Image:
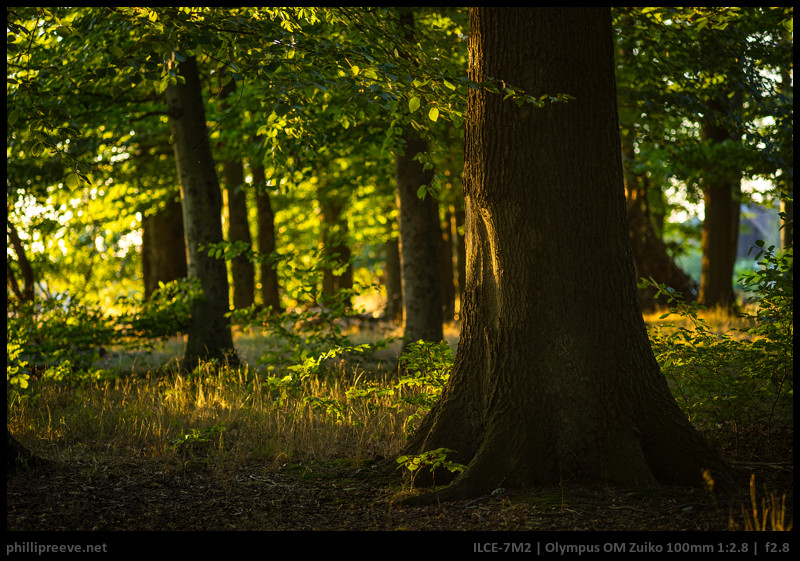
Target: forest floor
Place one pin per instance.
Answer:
(344, 495)
(96, 492)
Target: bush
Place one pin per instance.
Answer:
(720, 379)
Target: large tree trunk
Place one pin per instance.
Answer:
(554, 379)
(163, 247)
(17, 456)
(209, 334)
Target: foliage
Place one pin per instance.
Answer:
(431, 460)
(62, 338)
(719, 378)
(166, 313)
(46, 333)
(425, 367)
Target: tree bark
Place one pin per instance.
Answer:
(163, 247)
(243, 271)
(446, 269)
(419, 247)
(721, 199)
(650, 256)
(554, 379)
(209, 335)
(270, 293)
(335, 248)
(26, 293)
(393, 281)
(418, 221)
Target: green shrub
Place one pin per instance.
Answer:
(718, 378)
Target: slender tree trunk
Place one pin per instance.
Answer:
(163, 247)
(461, 258)
(419, 247)
(419, 235)
(270, 293)
(721, 198)
(786, 184)
(26, 293)
(650, 256)
(393, 310)
(243, 271)
(209, 334)
(336, 251)
(446, 269)
(554, 379)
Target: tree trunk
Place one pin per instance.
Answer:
(446, 269)
(270, 294)
(418, 221)
(721, 194)
(554, 379)
(393, 280)
(461, 258)
(163, 247)
(335, 248)
(209, 334)
(650, 256)
(419, 247)
(785, 183)
(243, 271)
(17, 456)
(26, 293)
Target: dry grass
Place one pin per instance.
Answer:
(215, 414)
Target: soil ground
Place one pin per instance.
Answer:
(344, 496)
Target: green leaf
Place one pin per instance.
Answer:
(37, 149)
(354, 69)
(413, 104)
(422, 191)
(116, 51)
(433, 114)
(73, 180)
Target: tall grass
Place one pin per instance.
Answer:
(214, 414)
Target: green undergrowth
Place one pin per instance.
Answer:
(314, 388)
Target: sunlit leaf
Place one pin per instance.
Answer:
(413, 104)
(73, 180)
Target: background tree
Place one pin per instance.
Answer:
(420, 234)
(209, 334)
(554, 379)
(688, 76)
(242, 269)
